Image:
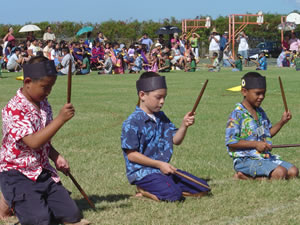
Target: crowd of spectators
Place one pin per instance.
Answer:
(160, 55)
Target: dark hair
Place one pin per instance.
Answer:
(215, 54)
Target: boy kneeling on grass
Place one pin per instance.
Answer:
(30, 185)
(249, 132)
(147, 141)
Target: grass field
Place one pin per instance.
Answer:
(91, 144)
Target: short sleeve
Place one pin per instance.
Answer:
(232, 133)
(129, 136)
(17, 123)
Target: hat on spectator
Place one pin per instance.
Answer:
(214, 30)
(226, 32)
(158, 45)
(122, 46)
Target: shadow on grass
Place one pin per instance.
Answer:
(83, 204)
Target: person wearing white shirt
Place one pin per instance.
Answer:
(214, 45)
(243, 46)
(15, 61)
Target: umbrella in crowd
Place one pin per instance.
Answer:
(29, 28)
(287, 26)
(85, 30)
(168, 30)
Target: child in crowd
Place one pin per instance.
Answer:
(107, 66)
(191, 64)
(137, 66)
(154, 63)
(249, 132)
(215, 66)
(28, 182)
(85, 67)
(238, 64)
(120, 64)
(147, 141)
(262, 62)
(166, 63)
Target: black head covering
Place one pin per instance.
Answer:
(39, 70)
(253, 80)
(151, 83)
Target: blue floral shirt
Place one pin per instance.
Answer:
(242, 126)
(152, 138)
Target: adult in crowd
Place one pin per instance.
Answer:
(15, 61)
(49, 35)
(285, 45)
(9, 37)
(33, 48)
(294, 43)
(243, 46)
(64, 65)
(101, 38)
(194, 44)
(214, 44)
(223, 44)
(146, 41)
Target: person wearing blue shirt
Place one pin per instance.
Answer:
(147, 141)
(223, 44)
(262, 62)
(146, 41)
(249, 132)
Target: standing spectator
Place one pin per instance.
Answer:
(101, 38)
(223, 44)
(194, 44)
(48, 35)
(161, 40)
(214, 44)
(285, 43)
(9, 37)
(146, 41)
(30, 36)
(243, 46)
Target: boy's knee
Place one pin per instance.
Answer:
(172, 195)
(279, 173)
(293, 172)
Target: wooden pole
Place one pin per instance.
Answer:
(199, 98)
(286, 146)
(282, 94)
(69, 81)
(81, 190)
(69, 173)
(191, 179)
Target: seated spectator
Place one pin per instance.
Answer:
(157, 49)
(78, 53)
(261, 62)
(15, 62)
(85, 67)
(227, 57)
(154, 63)
(97, 54)
(191, 64)
(238, 64)
(48, 48)
(178, 59)
(137, 66)
(120, 64)
(64, 65)
(33, 48)
(165, 63)
(107, 66)
(215, 66)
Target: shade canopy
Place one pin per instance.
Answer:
(29, 28)
(85, 30)
(168, 30)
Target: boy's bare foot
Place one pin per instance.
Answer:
(241, 176)
(147, 194)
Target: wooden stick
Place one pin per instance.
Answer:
(286, 146)
(69, 81)
(191, 179)
(81, 190)
(199, 98)
(282, 94)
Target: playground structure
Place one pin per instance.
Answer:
(238, 22)
(191, 25)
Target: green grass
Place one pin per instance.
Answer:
(91, 144)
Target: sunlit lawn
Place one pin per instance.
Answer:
(91, 144)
